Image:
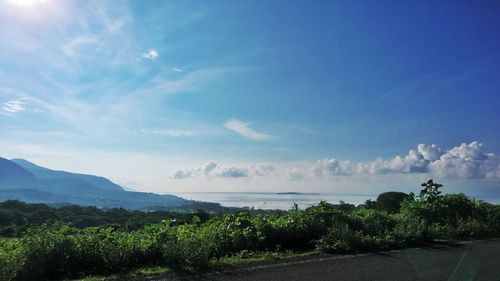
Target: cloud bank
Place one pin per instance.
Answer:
(466, 161)
(462, 162)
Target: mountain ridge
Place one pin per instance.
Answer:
(26, 181)
(11, 171)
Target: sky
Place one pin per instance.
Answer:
(351, 97)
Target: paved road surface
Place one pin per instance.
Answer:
(479, 260)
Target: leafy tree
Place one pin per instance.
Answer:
(370, 204)
(390, 201)
(430, 191)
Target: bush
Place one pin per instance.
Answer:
(410, 230)
(390, 201)
(473, 228)
(187, 249)
(372, 222)
(339, 239)
(298, 229)
(488, 214)
(10, 258)
(46, 255)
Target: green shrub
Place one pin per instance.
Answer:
(410, 229)
(46, 255)
(376, 243)
(188, 249)
(473, 228)
(390, 201)
(10, 258)
(489, 215)
(298, 229)
(372, 222)
(339, 239)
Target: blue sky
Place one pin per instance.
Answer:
(255, 95)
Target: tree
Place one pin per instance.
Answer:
(370, 204)
(390, 201)
(430, 191)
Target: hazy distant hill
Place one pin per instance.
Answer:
(48, 174)
(23, 180)
(13, 174)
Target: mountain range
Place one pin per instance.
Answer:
(25, 181)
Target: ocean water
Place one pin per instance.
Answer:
(273, 200)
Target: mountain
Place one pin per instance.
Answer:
(48, 174)
(12, 173)
(26, 181)
(69, 183)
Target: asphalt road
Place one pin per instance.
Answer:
(478, 260)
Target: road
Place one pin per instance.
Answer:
(477, 260)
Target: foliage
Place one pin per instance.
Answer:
(430, 191)
(340, 238)
(16, 217)
(65, 250)
(390, 201)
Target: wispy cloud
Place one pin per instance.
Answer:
(191, 81)
(73, 46)
(95, 41)
(244, 130)
(151, 54)
(171, 133)
(14, 106)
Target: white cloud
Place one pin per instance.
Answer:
(171, 133)
(244, 130)
(467, 161)
(182, 174)
(332, 166)
(177, 69)
(231, 172)
(209, 167)
(151, 54)
(212, 169)
(14, 106)
(295, 174)
(262, 170)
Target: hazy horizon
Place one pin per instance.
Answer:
(170, 97)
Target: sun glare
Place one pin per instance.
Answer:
(26, 3)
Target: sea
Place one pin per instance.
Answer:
(268, 200)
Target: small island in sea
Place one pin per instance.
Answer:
(290, 193)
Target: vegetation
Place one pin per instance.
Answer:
(66, 251)
(17, 217)
(390, 201)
